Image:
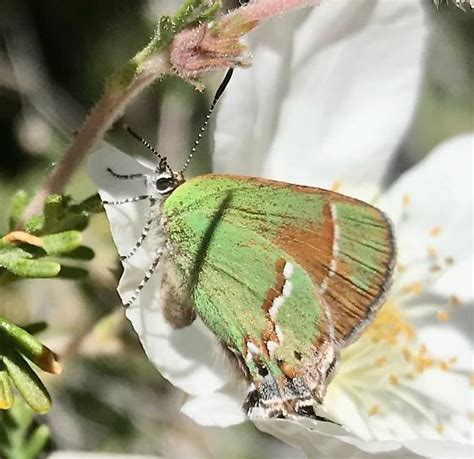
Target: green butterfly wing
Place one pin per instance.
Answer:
(282, 274)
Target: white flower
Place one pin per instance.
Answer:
(406, 382)
(326, 103)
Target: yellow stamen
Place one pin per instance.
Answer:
(445, 365)
(455, 301)
(336, 186)
(442, 316)
(471, 416)
(406, 200)
(435, 231)
(374, 409)
(390, 325)
(440, 428)
(393, 380)
(415, 288)
(432, 252)
(471, 380)
(381, 361)
(407, 354)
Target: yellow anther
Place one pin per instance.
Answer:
(407, 354)
(381, 361)
(445, 365)
(336, 186)
(432, 252)
(393, 380)
(406, 200)
(455, 301)
(471, 380)
(415, 288)
(435, 231)
(442, 316)
(373, 410)
(440, 428)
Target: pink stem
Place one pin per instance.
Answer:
(264, 9)
(99, 121)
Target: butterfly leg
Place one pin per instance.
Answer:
(138, 244)
(147, 277)
(125, 201)
(124, 176)
(145, 231)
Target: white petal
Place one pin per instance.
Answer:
(440, 193)
(328, 97)
(126, 228)
(189, 358)
(218, 409)
(329, 441)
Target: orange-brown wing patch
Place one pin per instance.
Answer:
(350, 256)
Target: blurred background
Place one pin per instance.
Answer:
(54, 58)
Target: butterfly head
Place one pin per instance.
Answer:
(166, 181)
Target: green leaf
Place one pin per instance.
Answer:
(36, 442)
(90, 205)
(27, 382)
(53, 212)
(20, 263)
(21, 340)
(20, 437)
(193, 12)
(34, 224)
(6, 389)
(34, 269)
(61, 243)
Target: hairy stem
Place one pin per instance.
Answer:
(109, 108)
(190, 52)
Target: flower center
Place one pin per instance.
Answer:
(378, 368)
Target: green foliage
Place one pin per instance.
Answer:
(15, 344)
(37, 252)
(20, 436)
(56, 233)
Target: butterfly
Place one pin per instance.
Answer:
(283, 275)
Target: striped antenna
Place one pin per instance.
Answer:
(163, 163)
(217, 96)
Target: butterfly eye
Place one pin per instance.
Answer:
(164, 184)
